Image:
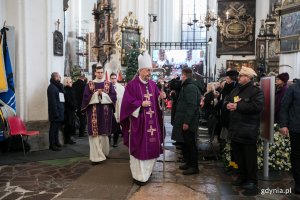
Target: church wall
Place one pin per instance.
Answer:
(2, 12)
(34, 23)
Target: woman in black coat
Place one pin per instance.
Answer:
(70, 111)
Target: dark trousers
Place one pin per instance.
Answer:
(295, 157)
(82, 120)
(53, 133)
(246, 157)
(190, 150)
(116, 134)
(116, 130)
(68, 131)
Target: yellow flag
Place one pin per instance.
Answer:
(3, 81)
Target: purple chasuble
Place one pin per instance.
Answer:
(99, 116)
(145, 131)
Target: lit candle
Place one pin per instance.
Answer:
(227, 15)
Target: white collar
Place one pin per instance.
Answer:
(144, 82)
(96, 80)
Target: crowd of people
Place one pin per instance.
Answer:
(231, 109)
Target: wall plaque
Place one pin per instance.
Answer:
(236, 27)
(58, 41)
(58, 48)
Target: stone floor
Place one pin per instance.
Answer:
(75, 178)
(40, 180)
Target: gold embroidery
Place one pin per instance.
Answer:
(151, 130)
(150, 112)
(94, 121)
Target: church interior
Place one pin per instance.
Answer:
(74, 37)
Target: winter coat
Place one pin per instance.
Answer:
(224, 119)
(187, 110)
(278, 97)
(56, 108)
(209, 106)
(290, 108)
(78, 87)
(70, 105)
(245, 120)
(175, 85)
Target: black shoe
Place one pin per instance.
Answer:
(179, 147)
(115, 145)
(54, 148)
(183, 167)
(95, 163)
(181, 160)
(249, 186)
(177, 143)
(239, 182)
(70, 142)
(191, 171)
(58, 145)
(140, 183)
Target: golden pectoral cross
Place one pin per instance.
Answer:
(151, 130)
(150, 112)
(147, 96)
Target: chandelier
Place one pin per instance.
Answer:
(207, 20)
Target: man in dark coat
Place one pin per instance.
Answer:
(290, 125)
(186, 121)
(56, 109)
(281, 88)
(78, 87)
(245, 104)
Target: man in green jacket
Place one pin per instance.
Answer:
(186, 121)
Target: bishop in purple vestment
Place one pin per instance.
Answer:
(141, 121)
(98, 103)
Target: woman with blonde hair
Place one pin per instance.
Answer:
(210, 98)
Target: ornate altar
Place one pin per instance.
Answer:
(129, 33)
(236, 27)
(105, 27)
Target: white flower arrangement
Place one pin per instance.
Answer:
(279, 152)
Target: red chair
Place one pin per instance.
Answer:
(17, 127)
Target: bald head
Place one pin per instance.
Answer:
(55, 76)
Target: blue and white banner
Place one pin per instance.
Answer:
(7, 99)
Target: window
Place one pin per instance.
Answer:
(193, 10)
